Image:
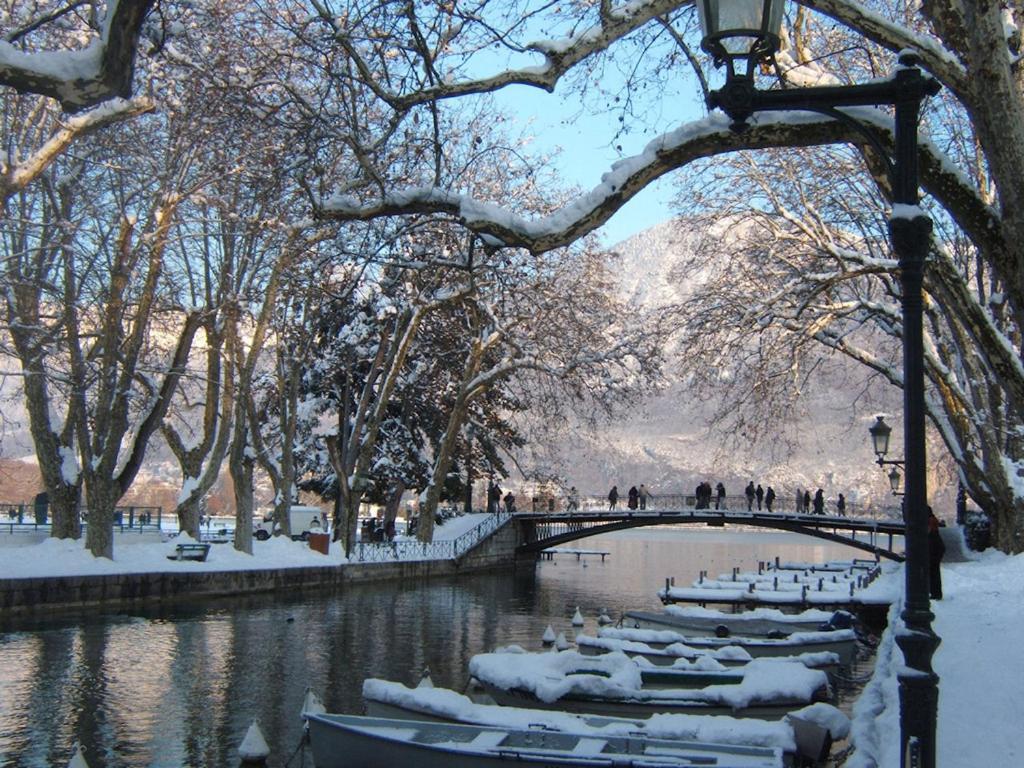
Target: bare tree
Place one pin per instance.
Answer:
(972, 57)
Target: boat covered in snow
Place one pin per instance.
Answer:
(804, 736)
(612, 684)
(680, 654)
(761, 622)
(354, 741)
(842, 642)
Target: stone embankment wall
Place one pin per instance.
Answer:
(66, 592)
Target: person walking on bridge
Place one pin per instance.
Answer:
(574, 500)
(759, 493)
(644, 493)
(633, 499)
(749, 491)
(769, 498)
(841, 506)
(613, 497)
(807, 501)
(819, 502)
(719, 495)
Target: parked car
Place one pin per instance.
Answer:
(304, 520)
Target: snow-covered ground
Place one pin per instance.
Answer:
(134, 553)
(980, 665)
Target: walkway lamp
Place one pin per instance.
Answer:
(894, 481)
(880, 432)
(742, 35)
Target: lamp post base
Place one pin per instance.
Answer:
(919, 697)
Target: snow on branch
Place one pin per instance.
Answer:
(16, 177)
(896, 37)
(82, 78)
(559, 55)
(700, 139)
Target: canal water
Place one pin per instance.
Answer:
(172, 687)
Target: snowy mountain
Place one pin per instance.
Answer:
(667, 443)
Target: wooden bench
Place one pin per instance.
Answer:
(196, 552)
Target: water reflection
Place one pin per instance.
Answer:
(179, 687)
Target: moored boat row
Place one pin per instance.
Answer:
(680, 687)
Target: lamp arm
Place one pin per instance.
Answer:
(872, 137)
(885, 462)
(739, 99)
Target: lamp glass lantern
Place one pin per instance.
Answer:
(737, 30)
(894, 480)
(880, 432)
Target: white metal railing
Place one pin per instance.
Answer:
(447, 549)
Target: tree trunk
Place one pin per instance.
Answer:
(65, 511)
(240, 465)
(101, 497)
(393, 501)
(344, 517)
(188, 513)
(201, 464)
(442, 463)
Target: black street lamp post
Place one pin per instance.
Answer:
(742, 34)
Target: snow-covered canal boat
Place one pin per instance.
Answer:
(764, 622)
(353, 741)
(613, 685)
(805, 737)
(682, 655)
(842, 642)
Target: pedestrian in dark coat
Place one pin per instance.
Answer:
(613, 497)
(819, 502)
(769, 498)
(936, 549)
(841, 506)
(759, 493)
(807, 501)
(749, 491)
(634, 498)
(720, 496)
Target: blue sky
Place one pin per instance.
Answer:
(586, 154)
(588, 143)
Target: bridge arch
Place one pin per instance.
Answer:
(538, 531)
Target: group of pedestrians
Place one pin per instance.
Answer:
(764, 498)
(702, 494)
(495, 499)
(756, 495)
(804, 502)
(636, 498)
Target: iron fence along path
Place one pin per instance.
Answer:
(446, 549)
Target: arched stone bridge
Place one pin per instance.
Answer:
(540, 530)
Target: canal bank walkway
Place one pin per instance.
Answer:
(25, 556)
(979, 662)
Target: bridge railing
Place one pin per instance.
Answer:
(445, 549)
(731, 503)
